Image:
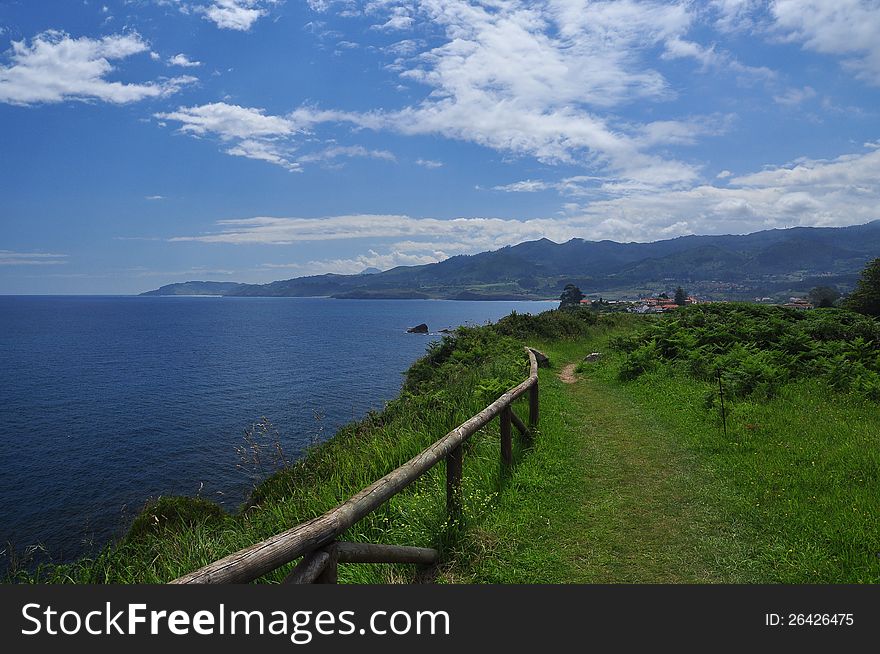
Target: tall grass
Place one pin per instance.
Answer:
(800, 462)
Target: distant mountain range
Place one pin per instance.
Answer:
(772, 263)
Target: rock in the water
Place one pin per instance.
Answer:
(542, 359)
(418, 329)
(445, 331)
(592, 357)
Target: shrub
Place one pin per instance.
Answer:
(757, 349)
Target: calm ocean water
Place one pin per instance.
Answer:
(107, 401)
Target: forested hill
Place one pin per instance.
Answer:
(768, 263)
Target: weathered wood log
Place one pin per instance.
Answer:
(453, 483)
(376, 553)
(542, 359)
(520, 426)
(533, 405)
(308, 570)
(258, 559)
(329, 575)
(506, 440)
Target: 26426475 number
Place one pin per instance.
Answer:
(820, 619)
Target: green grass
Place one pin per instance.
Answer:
(799, 474)
(635, 481)
(607, 496)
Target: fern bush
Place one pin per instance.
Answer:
(757, 349)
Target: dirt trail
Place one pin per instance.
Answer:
(567, 374)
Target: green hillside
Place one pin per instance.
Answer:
(769, 263)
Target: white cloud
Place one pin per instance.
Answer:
(526, 186)
(337, 151)
(793, 97)
(677, 48)
(55, 67)
(400, 22)
(710, 58)
(265, 151)
(404, 48)
(247, 131)
(533, 79)
(736, 15)
(846, 28)
(229, 121)
(479, 232)
(182, 60)
(372, 259)
(11, 258)
(239, 15)
(154, 197)
(429, 163)
(840, 191)
(847, 172)
(250, 132)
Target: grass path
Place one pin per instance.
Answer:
(640, 516)
(609, 498)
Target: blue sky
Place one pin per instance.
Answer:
(146, 142)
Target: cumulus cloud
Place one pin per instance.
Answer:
(229, 121)
(184, 61)
(846, 28)
(247, 131)
(56, 67)
(239, 15)
(252, 133)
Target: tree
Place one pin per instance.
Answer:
(571, 297)
(663, 296)
(823, 296)
(866, 296)
(680, 297)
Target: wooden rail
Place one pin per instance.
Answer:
(315, 540)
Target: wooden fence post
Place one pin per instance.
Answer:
(331, 569)
(506, 440)
(533, 405)
(453, 483)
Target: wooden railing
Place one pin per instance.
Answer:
(315, 540)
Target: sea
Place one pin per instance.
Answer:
(108, 401)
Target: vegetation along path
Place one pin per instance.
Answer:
(609, 497)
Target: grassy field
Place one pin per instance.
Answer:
(630, 477)
(636, 481)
